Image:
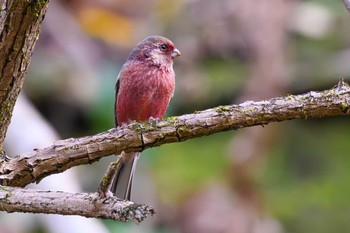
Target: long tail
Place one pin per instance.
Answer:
(122, 181)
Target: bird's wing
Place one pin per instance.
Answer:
(116, 101)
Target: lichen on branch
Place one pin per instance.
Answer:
(84, 204)
(64, 154)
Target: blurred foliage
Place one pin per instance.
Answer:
(306, 180)
(106, 25)
(180, 169)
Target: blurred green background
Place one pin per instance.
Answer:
(290, 176)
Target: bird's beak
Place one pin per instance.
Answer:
(175, 53)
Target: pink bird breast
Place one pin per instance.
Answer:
(145, 91)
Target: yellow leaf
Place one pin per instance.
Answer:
(106, 25)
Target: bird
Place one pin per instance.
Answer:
(144, 88)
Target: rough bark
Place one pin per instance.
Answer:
(85, 204)
(64, 154)
(20, 22)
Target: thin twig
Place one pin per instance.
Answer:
(108, 177)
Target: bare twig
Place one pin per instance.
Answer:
(84, 204)
(64, 154)
(108, 177)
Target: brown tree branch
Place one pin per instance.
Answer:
(20, 23)
(64, 154)
(85, 204)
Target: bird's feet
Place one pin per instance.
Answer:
(153, 120)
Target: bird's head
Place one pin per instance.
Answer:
(155, 50)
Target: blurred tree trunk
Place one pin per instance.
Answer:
(264, 31)
(265, 34)
(20, 23)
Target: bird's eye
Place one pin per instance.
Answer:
(163, 47)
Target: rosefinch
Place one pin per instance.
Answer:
(144, 88)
